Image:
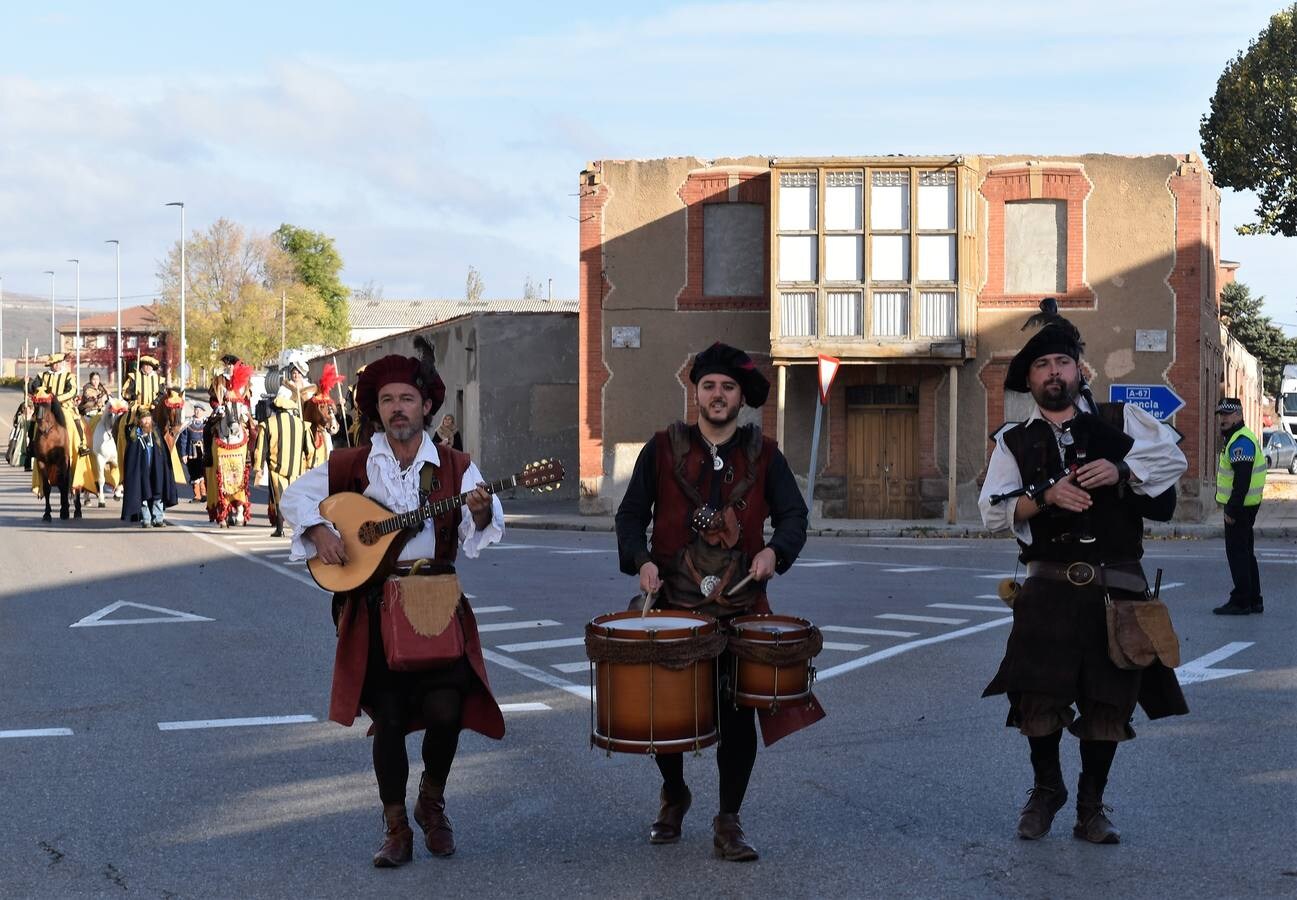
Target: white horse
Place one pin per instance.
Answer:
(104, 447)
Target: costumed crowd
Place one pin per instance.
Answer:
(381, 521)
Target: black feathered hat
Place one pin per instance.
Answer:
(419, 371)
(1056, 335)
(722, 359)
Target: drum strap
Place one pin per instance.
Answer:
(673, 654)
(778, 654)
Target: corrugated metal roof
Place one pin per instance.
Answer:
(406, 314)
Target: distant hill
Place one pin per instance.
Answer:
(28, 318)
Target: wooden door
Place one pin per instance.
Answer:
(882, 463)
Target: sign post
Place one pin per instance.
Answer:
(1158, 400)
(828, 368)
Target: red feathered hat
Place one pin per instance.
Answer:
(329, 379)
(420, 371)
(240, 379)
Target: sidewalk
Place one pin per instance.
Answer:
(1277, 519)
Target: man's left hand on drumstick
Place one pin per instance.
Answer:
(763, 565)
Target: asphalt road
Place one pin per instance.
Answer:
(910, 787)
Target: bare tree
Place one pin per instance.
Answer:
(531, 289)
(473, 285)
(369, 292)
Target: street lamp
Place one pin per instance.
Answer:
(117, 246)
(78, 345)
(182, 291)
(2, 328)
(51, 275)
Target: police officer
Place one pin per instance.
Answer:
(1240, 479)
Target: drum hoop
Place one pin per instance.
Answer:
(705, 625)
(801, 633)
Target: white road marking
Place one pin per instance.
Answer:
(1196, 670)
(987, 597)
(847, 629)
(511, 626)
(1003, 575)
(915, 569)
(517, 547)
(935, 620)
(36, 732)
(1170, 584)
(278, 555)
(483, 610)
(889, 652)
(1278, 562)
(582, 552)
(541, 645)
(972, 607)
(524, 707)
(536, 674)
(569, 668)
(171, 615)
(196, 724)
(849, 648)
(225, 545)
(820, 564)
(914, 546)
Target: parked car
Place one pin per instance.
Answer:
(1280, 450)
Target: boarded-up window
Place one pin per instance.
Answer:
(1035, 247)
(734, 249)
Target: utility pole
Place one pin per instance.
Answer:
(117, 246)
(51, 275)
(77, 349)
(182, 292)
(283, 322)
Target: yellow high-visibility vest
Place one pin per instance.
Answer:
(1236, 450)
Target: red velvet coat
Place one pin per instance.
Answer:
(481, 712)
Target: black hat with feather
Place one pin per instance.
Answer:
(1056, 335)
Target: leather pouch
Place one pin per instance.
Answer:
(1139, 632)
(419, 617)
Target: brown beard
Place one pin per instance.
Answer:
(1055, 402)
(730, 415)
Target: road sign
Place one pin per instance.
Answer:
(828, 368)
(1157, 400)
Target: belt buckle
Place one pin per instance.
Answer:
(1084, 573)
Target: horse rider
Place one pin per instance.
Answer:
(737, 479)
(221, 380)
(282, 449)
(142, 386)
(60, 382)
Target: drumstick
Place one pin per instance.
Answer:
(649, 597)
(741, 585)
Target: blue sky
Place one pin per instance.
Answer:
(427, 137)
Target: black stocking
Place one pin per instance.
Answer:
(672, 767)
(736, 755)
(1096, 760)
(1044, 758)
(391, 765)
(442, 712)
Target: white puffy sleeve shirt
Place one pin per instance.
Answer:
(397, 490)
(1155, 460)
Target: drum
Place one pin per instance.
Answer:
(653, 685)
(771, 658)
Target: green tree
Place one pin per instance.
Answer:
(1252, 328)
(1250, 136)
(317, 264)
(233, 286)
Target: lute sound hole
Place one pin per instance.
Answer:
(369, 533)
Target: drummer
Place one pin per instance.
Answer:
(709, 556)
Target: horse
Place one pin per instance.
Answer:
(103, 446)
(228, 439)
(52, 455)
(320, 414)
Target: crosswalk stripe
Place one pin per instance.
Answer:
(969, 606)
(906, 617)
(850, 648)
(513, 626)
(540, 645)
(569, 668)
(508, 662)
(483, 610)
(524, 707)
(909, 569)
(880, 632)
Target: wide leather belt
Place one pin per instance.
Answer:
(1082, 574)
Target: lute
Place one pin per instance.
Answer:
(373, 536)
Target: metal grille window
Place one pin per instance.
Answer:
(797, 314)
(937, 313)
(891, 313)
(845, 315)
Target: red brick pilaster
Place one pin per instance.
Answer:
(1187, 186)
(1009, 183)
(592, 288)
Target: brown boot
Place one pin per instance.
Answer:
(666, 830)
(1043, 803)
(1092, 822)
(728, 840)
(430, 813)
(398, 839)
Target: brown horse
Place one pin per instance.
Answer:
(52, 454)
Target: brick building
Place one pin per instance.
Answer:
(916, 272)
(142, 333)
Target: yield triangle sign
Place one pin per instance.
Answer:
(162, 616)
(828, 368)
